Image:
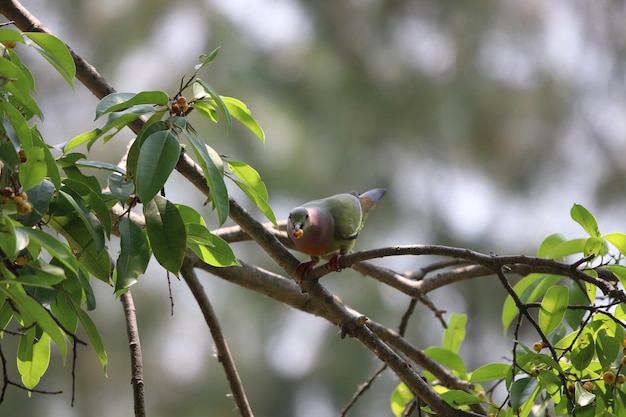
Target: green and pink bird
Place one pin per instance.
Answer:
(332, 224)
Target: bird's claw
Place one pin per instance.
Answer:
(304, 268)
(333, 263)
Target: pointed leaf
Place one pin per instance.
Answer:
(122, 101)
(166, 232)
(219, 253)
(522, 390)
(33, 358)
(217, 99)
(33, 171)
(157, 158)
(254, 188)
(240, 112)
(92, 333)
(447, 358)
(454, 334)
(618, 240)
(210, 162)
(583, 217)
(491, 372)
(400, 399)
(553, 308)
(56, 53)
(134, 255)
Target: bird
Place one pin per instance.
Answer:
(329, 225)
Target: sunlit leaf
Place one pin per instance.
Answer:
(217, 99)
(618, 240)
(33, 171)
(56, 53)
(241, 112)
(400, 399)
(583, 217)
(491, 372)
(553, 308)
(458, 398)
(33, 358)
(253, 187)
(92, 334)
(218, 253)
(447, 358)
(454, 334)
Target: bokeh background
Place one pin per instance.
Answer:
(486, 121)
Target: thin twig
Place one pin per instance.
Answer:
(136, 360)
(223, 352)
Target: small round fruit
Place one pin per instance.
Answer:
(537, 346)
(609, 377)
(20, 261)
(18, 200)
(6, 200)
(24, 208)
(23, 195)
(571, 388)
(534, 371)
(623, 362)
(10, 44)
(589, 386)
(7, 192)
(22, 154)
(482, 395)
(621, 378)
(182, 102)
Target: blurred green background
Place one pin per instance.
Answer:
(485, 121)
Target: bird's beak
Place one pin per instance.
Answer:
(297, 231)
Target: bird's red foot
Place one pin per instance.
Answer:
(304, 268)
(333, 263)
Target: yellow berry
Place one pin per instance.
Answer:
(20, 261)
(534, 371)
(10, 44)
(537, 346)
(24, 208)
(481, 395)
(621, 378)
(589, 386)
(23, 195)
(18, 200)
(624, 360)
(609, 377)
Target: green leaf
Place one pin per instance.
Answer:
(93, 201)
(454, 334)
(583, 351)
(51, 164)
(121, 189)
(78, 236)
(134, 255)
(219, 253)
(400, 399)
(56, 53)
(101, 165)
(33, 358)
(457, 398)
(10, 35)
(549, 244)
(205, 60)
(576, 297)
(582, 396)
(240, 112)
(217, 99)
(91, 222)
(8, 238)
(52, 245)
(491, 372)
(21, 130)
(618, 240)
(553, 308)
(82, 138)
(522, 390)
(33, 171)
(122, 101)
(550, 381)
(33, 312)
(529, 289)
(253, 187)
(211, 164)
(92, 334)
(569, 247)
(595, 246)
(157, 158)
(583, 217)
(447, 358)
(39, 197)
(166, 232)
(607, 348)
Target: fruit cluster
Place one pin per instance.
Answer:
(20, 199)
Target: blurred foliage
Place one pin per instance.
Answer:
(485, 121)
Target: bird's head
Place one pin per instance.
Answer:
(298, 222)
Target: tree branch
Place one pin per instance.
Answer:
(223, 352)
(136, 360)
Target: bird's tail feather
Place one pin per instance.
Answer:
(370, 198)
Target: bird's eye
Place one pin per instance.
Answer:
(306, 216)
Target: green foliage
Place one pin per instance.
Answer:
(576, 366)
(55, 219)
